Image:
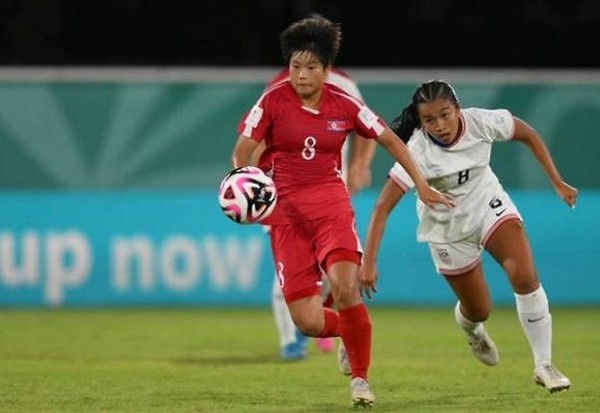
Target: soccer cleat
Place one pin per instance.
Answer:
(484, 349)
(549, 377)
(343, 360)
(362, 396)
(324, 344)
(295, 350)
(301, 340)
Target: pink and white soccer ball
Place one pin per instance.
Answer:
(247, 195)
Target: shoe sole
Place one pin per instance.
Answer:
(539, 382)
(364, 403)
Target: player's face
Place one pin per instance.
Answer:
(441, 119)
(307, 74)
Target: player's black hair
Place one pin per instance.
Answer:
(405, 123)
(316, 35)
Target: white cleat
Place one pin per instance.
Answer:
(343, 360)
(549, 377)
(484, 349)
(362, 396)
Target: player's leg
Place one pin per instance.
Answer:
(354, 321)
(298, 262)
(460, 264)
(300, 279)
(292, 343)
(325, 344)
(472, 310)
(338, 249)
(509, 246)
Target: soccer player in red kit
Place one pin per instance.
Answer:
(304, 122)
(357, 155)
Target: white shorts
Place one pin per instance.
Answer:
(461, 256)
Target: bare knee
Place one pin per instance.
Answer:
(307, 314)
(346, 295)
(523, 278)
(343, 280)
(309, 326)
(310, 329)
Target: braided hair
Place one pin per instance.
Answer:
(408, 120)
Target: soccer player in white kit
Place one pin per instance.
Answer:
(356, 173)
(452, 146)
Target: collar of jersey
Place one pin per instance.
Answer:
(324, 96)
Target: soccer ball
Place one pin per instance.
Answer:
(247, 195)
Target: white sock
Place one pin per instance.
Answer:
(472, 328)
(536, 320)
(285, 326)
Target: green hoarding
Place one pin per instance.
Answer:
(99, 135)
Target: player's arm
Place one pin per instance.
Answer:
(394, 145)
(388, 198)
(243, 150)
(362, 151)
(255, 156)
(529, 136)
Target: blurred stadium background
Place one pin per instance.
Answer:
(117, 121)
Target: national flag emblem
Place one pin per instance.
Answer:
(337, 125)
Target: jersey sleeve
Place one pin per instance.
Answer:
(255, 123)
(499, 124)
(368, 124)
(401, 178)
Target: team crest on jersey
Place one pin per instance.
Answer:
(337, 125)
(444, 255)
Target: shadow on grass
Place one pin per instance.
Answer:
(228, 360)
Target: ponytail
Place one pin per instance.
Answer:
(404, 124)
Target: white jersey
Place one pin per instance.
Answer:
(461, 170)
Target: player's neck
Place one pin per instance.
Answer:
(311, 101)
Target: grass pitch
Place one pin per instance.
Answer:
(209, 360)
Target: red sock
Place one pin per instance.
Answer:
(355, 330)
(332, 324)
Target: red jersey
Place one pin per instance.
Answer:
(303, 148)
(336, 77)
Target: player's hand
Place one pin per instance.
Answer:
(359, 177)
(567, 193)
(367, 279)
(431, 197)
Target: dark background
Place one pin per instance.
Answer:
(416, 33)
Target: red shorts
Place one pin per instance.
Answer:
(299, 251)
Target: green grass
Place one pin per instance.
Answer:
(207, 360)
